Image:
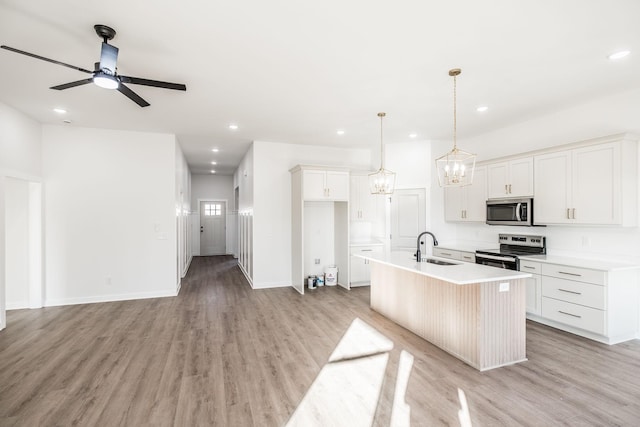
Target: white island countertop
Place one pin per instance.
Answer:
(463, 273)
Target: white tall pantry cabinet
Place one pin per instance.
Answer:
(319, 223)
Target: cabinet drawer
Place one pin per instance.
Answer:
(589, 319)
(575, 292)
(530, 267)
(364, 250)
(574, 273)
(467, 257)
(446, 253)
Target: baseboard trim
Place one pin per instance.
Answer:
(20, 305)
(269, 285)
(108, 298)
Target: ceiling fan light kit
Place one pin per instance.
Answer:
(105, 73)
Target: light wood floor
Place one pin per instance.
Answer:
(223, 354)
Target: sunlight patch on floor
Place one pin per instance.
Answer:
(347, 389)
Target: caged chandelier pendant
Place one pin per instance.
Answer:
(383, 181)
(456, 168)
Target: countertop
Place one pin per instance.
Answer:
(593, 264)
(463, 273)
(590, 263)
(357, 243)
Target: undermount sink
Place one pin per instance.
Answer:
(438, 261)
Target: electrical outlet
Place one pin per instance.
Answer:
(317, 261)
(108, 280)
(504, 287)
(586, 241)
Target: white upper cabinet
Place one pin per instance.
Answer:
(363, 205)
(468, 204)
(325, 185)
(512, 178)
(590, 185)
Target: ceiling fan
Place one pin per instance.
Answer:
(105, 72)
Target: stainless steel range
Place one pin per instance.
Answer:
(511, 246)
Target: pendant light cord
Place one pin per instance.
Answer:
(381, 115)
(454, 112)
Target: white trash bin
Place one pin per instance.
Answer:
(331, 275)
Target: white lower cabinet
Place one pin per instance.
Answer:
(360, 270)
(597, 304)
(534, 286)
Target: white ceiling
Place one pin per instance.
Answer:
(295, 71)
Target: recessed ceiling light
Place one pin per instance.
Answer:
(233, 126)
(413, 135)
(340, 132)
(215, 150)
(482, 108)
(619, 55)
(60, 110)
(212, 171)
(214, 163)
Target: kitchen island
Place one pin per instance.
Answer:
(474, 312)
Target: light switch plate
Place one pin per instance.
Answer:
(504, 287)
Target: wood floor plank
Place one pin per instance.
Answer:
(224, 354)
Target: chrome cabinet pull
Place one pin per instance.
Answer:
(570, 292)
(506, 189)
(444, 253)
(573, 213)
(366, 250)
(570, 274)
(568, 213)
(509, 188)
(526, 266)
(569, 314)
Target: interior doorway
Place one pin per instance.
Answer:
(21, 283)
(213, 226)
(408, 218)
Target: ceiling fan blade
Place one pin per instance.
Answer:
(33, 55)
(154, 83)
(72, 84)
(108, 58)
(132, 95)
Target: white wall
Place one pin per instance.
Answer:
(272, 201)
(110, 206)
(614, 114)
(214, 187)
(20, 144)
(17, 243)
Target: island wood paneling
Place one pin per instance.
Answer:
(476, 323)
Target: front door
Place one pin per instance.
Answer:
(408, 218)
(213, 228)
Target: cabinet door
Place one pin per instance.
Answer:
(337, 185)
(596, 185)
(497, 180)
(313, 185)
(355, 195)
(552, 188)
(453, 203)
(358, 270)
(534, 294)
(475, 208)
(521, 177)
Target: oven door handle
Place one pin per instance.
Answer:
(518, 208)
(495, 258)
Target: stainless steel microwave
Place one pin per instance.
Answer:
(510, 212)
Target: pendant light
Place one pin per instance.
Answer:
(383, 181)
(456, 168)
